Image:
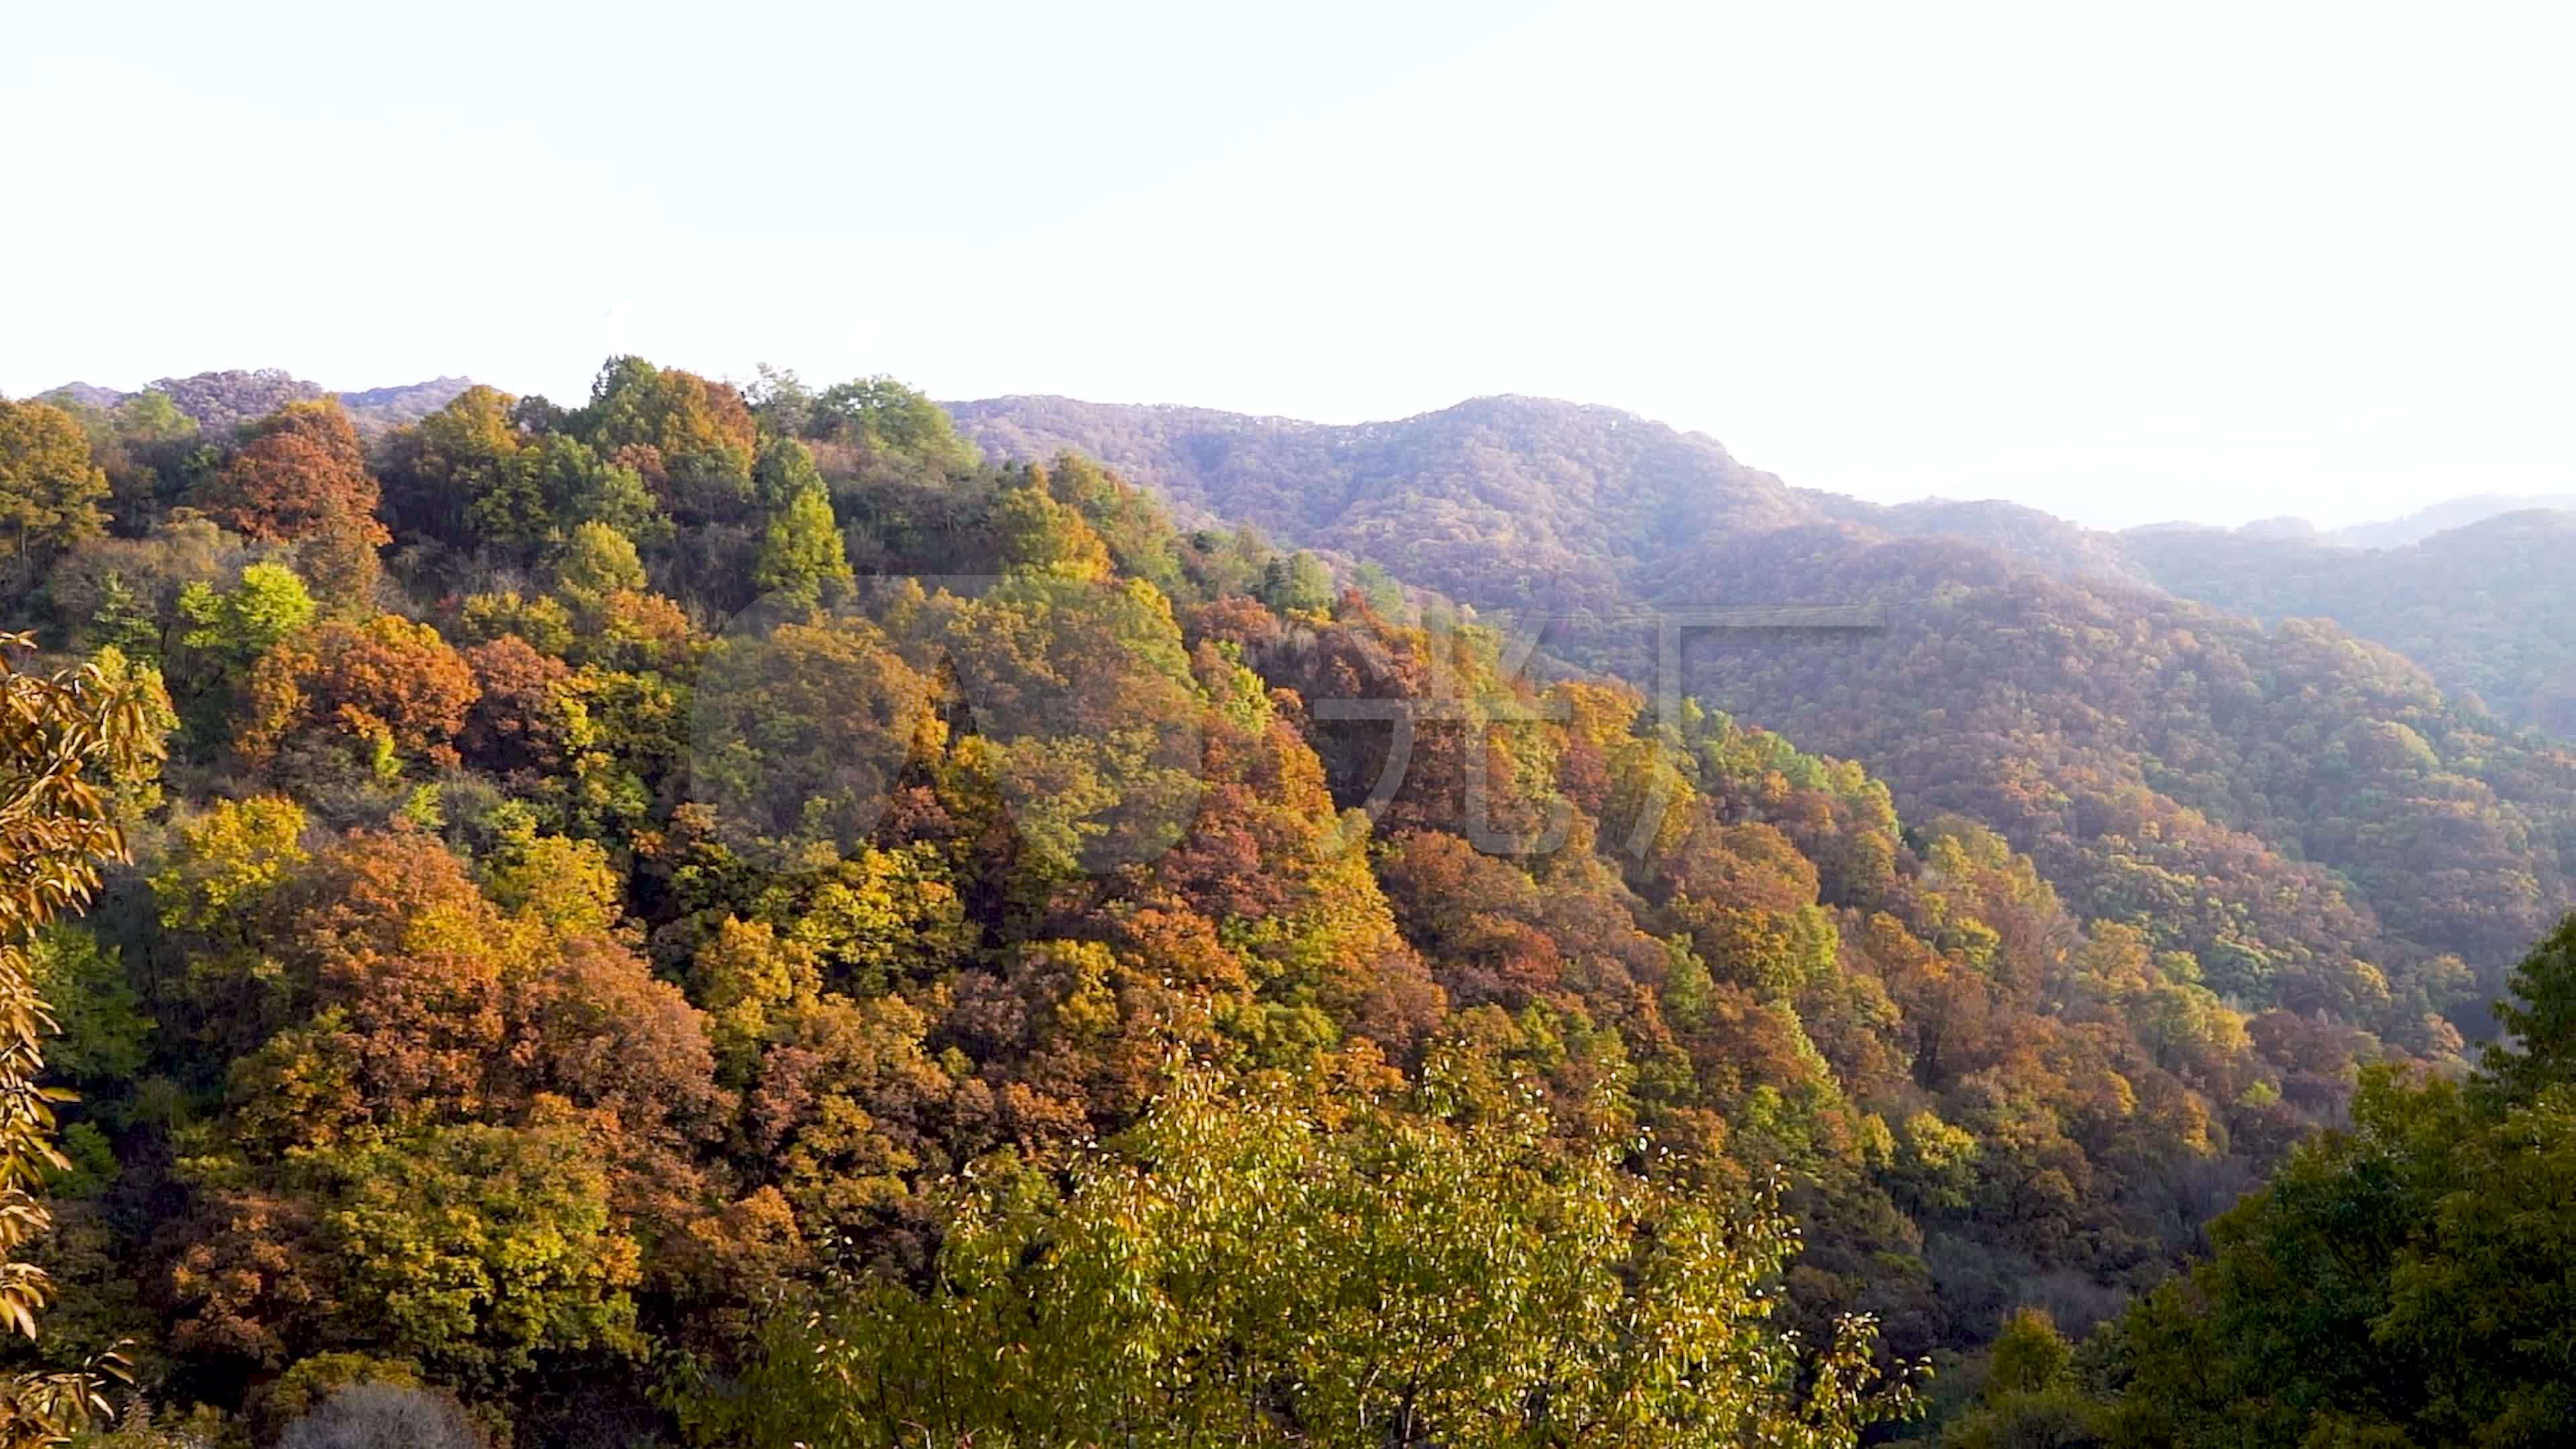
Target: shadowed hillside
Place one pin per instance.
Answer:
(2489, 609)
(2310, 815)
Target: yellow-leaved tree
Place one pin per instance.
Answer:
(1258, 1265)
(67, 742)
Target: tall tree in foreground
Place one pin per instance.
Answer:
(2410, 1281)
(65, 742)
(1253, 1267)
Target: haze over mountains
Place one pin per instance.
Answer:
(1528, 503)
(1169, 448)
(1565, 509)
(1026, 424)
(1198, 454)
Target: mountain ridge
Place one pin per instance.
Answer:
(222, 400)
(1447, 498)
(2084, 693)
(999, 419)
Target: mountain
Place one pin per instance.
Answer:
(2488, 609)
(223, 401)
(2313, 818)
(378, 409)
(619, 907)
(2418, 526)
(2043, 540)
(596, 861)
(1580, 496)
(89, 395)
(1547, 510)
(2306, 813)
(1537, 503)
(2413, 528)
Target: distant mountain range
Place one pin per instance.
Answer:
(222, 401)
(1533, 504)
(2443, 517)
(1212, 464)
(1525, 503)
(1218, 462)
(2389, 532)
(2320, 822)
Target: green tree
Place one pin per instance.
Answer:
(597, 562)
(784, 473)
(2030, 1400)
(95, 1007)
(240, 624)
(1298, 583)
(2539, 1019)
(1041, 536)
(801, 559)
(476, 1249)
(224, 635)
(462, 472)
(1250, 1266)
(800, 735)
(580, 487)
(692, 441)
(2410, 1280)
(884, 416)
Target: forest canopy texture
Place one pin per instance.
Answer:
(713, 915)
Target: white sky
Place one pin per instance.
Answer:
(2123, 262)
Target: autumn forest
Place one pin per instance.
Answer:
(758, 913)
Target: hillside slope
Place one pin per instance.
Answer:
(2312, 817)
(2304, 811)
(1518, 500)
(2489, 609)
(1503, 500)
(567, 874)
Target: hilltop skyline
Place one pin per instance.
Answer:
(2193, 262)
(384, 405)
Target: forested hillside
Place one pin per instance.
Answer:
(1504, 502)
(2301, 810)
(2489, 608)
(1507, 501)
(643, 896)
(2400, 1282)
(721, 917)
(2305, 814)
(1564, 511)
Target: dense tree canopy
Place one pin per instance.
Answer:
(2404, 1281)
(1252, 1270)
(2488, 609)
(49, 488)
(724, 916)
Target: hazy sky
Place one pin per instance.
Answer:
(2124, 262)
